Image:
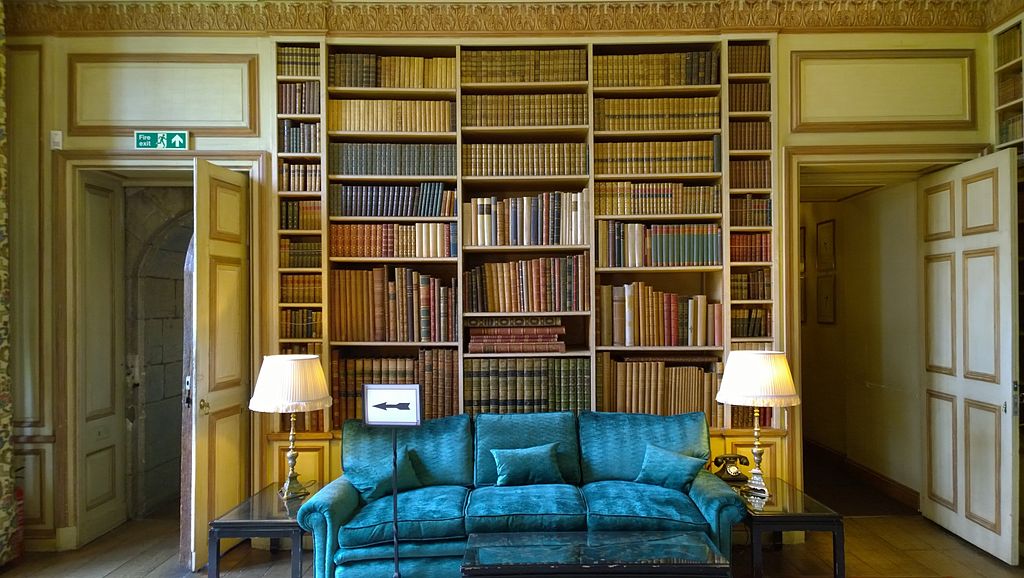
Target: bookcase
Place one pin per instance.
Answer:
(533, 227)
(1009, 87)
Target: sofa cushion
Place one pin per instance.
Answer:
(513, 431)
(614, 444)
(669, 469)
(625, 506)
(431, 513)
(441, 451)
(536, 508)
(519, 467)
(375, 479)
(406, 550)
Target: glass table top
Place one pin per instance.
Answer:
(788, 500)
(593, 549)
(266, 506)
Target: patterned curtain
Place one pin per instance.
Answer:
(7, 509)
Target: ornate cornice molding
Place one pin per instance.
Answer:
(483, 18)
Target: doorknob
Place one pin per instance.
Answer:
(204, 406)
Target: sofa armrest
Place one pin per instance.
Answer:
(722, 507)
(322, 515)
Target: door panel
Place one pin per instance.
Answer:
(971, 471)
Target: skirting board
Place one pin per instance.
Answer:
(895, 490)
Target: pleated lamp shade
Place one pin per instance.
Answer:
(758, 379)
(290, 383)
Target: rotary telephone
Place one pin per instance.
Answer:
(728, 468)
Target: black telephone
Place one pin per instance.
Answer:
(729, 470)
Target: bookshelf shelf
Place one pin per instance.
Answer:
(750, 191)
(394, 259)
(402, 137)
(553, 180)
(298, 156)
(557, 132)
(302, 232)
(375, 92)
(667, 217)
(411, 179)
(701, 269)
(380, 219)
(578, 87)
(1011, 143)
(767, 339)
(1016, 103)
(752, 302)
(576, 353)
(751, 229)
(299, 116)
(659, 348)
(741, 76)
(759, 114)
(524, 248)
(657, 91)
(750, 153)
(298, 269)
(299, 194)
(469, 314)
(611, 135)
(668, 177)
(394, 344)
(1011, 66)
(290, 78)
(314, 305)
(300, 340)
(751, 263)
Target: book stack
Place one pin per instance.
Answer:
(750, 97)
(699, 67)
(391, 159)
(641, 245)
(426, 240)
(300, 288)
(750, 174)
(750, 135)
(549, 65)
(371, 70)
(749, 58)
(307, 421)
(298, 97)
(750, 247)
(299, 177)
(300, 323)
(391, 304)
(299, 254)
(1009, 87)
(751, 322)
(526, 385)
(544, 219)
(524, 109)
(300, 215)
(298, 60)
(1008, 46)
(423, 200)
(636, 315)
(295, 136)
(660, 387)
(743, 417)
(524, 159)
(752, 284)
(657, 157)
(1011, 127)
(632, 114)
(311, 348)
(629, 198)
(391, 115)
(534, 285)
(515, 335)
(750, 211)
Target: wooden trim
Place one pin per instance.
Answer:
(211, 457)
(237, 381)
(215, 232)
(103, 499)
(991, 525)
(954, 504)
(251, 127)
(934, 190)
(41, 491)
(951, 370)
(798, 125)
(111, 408)
(968, 373)
(869, 477)
(31, 439)
(319, 455)
(994, 225)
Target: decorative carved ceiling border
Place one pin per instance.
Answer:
(482, 18)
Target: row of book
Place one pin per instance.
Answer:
(428, 199)
(661, 69)
(300, 323)
(751, 321)
(298, 253)
(391, 159)
(300, 288)
(298, 60)
(750, 174)
(311, 348)
(1009, 87)
(295, 136)
(306, 421)
(1008, 46)
(300, 177)
(436, 370)
(524, 65)
(524, 159)
(391, 115)
(373, 70)
(750, 247)
(749, 58)
(394, 240)
(532, 285)
(629, 198)
(692, 113)
(655, 157)
(524, 109)
(750, 135)
(298, 97)
(637, 315)
(752, 284)
(1011, 127)
(661, 388)
(743, 417)
(641, 245)
(526, 384)
(544, 219)
(537, 339)
(300, 215)
(750, 97)
(750, 211)
(389, 304)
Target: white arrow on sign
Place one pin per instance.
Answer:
(177, 140)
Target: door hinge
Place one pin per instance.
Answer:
(188, 391)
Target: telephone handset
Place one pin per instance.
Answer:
(728, 468)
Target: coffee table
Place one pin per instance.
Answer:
(582, 554)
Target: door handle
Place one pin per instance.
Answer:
(204, 406)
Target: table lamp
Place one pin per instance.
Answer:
(758, 379)
(289, 384)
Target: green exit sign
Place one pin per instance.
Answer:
(176, 140)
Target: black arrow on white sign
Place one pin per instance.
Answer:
(386, 406)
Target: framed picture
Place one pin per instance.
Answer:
(826, 252)
(827, 299)
(803, 249)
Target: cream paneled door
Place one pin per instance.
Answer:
(220, 441)
(968, 232)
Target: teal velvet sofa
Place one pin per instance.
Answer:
(549, 472)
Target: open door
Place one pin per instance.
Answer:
(968, 217)
(221, 354)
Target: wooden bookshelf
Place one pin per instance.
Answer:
(1009, 87)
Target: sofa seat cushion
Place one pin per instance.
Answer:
(624, 506)
(431, 513)
(536, 508)
(406, 551)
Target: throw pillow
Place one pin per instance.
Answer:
(523, 466)
(669, 469)
(377, 483)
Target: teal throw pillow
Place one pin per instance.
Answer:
(669, 469)
(524, 466)
(377, 483)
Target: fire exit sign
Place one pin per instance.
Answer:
(176, 140)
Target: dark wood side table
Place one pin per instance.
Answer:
(263, 515)
(790, 509)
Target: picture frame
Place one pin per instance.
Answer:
(826, 299)
(825, 254)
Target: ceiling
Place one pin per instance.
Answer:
(833, 182)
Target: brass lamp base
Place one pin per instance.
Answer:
(755, 486)
(292, 489)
